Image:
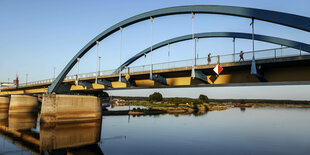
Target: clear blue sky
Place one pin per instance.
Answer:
(36, 36)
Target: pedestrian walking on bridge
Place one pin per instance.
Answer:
(241, 56)
(209, 58)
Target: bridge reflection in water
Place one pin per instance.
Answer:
(22, 130)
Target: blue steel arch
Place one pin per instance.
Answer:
(264, 38)
(291, 20)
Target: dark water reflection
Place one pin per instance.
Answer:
(242, 109)
(233, 131)
(22, 121)
(21, 133)
(58, 136)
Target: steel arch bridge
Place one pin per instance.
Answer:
(290, 20)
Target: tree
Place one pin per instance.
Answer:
(204, 98)
(242, 102)
(156, 97)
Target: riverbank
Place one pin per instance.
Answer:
(154, 108)
(232, 101)
(133, 112)
(189, 106)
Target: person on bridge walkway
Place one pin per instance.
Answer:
(241, 56)
(209, 58)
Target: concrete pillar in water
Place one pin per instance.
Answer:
(4, 103)
(70, 108)
(4, 108)
(23, 104)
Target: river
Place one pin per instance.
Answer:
(233, 131)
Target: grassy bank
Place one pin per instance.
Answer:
(231, 101)
(202, 104)
(172, 106)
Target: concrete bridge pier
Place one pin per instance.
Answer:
(23, 104)
(4, 109)
(69, 108)
(4, 103)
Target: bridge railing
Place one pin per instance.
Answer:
(259, 55)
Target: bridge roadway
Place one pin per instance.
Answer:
(285, 69)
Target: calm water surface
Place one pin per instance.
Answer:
(233, 131)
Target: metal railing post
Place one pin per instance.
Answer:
(234, 41)
(168, 55)
(275, 53)
(97, 63)
(120, 54)
(252, 24)
(151, 67)
(281, 50)
(193, 47)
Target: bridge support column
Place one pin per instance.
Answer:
(70, 108)
(4, 108)
(86, 84)
(130, 81)
(201, 76)
(105, 82)
(255, 72)
(198, 78)
(23, 104)
(4, 103)
(160, 79)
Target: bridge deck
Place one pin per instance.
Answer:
(297, 63)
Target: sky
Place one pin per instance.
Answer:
(37, 36)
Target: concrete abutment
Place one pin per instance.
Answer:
(70, 108)
(4, 108)
(23, 104)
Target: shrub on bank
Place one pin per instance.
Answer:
(196, 103)
(242, 102)
(105, 95)
(204, 98)
(156, 97)
(176, 100)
